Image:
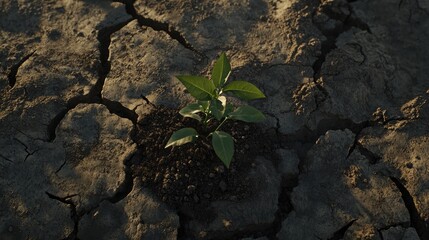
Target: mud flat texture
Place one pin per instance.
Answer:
(343, 154)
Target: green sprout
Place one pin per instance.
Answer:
(211, 104)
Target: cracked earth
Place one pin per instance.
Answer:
(347, 105)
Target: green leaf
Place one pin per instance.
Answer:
(229, 108)
(182, 136)
(199, 87)
(244, 90)
(204, 104)
(191, 111)
(223, 145)
(221, 70)
(247, 114)
(217, 107)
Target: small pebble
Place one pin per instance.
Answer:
(191, 187)
(222, 186)
(157, 177)
(220, 169)
(211, 175)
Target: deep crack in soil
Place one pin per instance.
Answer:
(403, 225)
(74, 215)
(417, 222)
(183, 225)
(14, 69)
(26, 149)
(157, 25)
(127, 185)
(270, 231)
(338, 235)
(94, 95)
(284, 207)
(345, 21)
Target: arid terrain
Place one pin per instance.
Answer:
(87, 101)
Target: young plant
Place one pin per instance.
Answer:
(211, 104)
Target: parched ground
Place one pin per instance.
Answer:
(343, 154)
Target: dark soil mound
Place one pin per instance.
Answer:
(192, 174)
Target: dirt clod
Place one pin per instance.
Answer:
(179, 175)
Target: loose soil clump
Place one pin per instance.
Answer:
(192, 173)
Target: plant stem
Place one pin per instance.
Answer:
(218, 127)
(206, 117)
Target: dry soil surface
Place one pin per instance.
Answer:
(347, 109)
